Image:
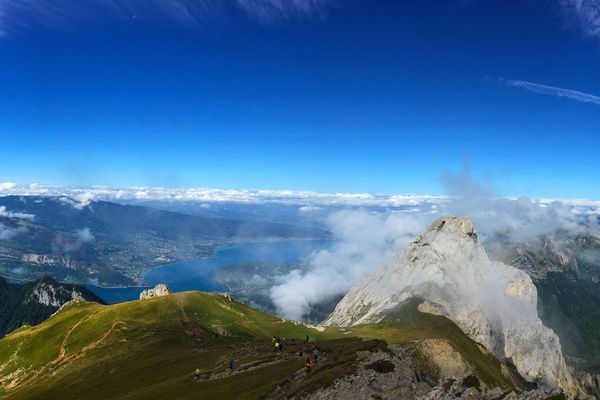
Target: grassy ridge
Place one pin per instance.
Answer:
(150, 348)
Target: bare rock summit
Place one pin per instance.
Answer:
(159, 290)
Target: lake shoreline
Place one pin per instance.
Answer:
(198, 274)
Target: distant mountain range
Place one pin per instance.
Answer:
(110, 244)
(34, 302)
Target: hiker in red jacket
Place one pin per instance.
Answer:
(308, 365)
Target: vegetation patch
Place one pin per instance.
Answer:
(382, 366)
(448, 384)
(471, 381)
(425, 370)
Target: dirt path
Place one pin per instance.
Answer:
(243, 368)
(224, 371)
(62, 359)
(184, 316)
(61, 350)
(65, 359)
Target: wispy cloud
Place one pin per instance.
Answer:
(10, 214)
(7, 233)
(554, 91)
(273, 10)
(26, 15)
(586, 14)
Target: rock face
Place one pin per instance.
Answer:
(52, 294)
(159, 290)
(491, 302)
(31, 303)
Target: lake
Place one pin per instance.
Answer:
(198, 274)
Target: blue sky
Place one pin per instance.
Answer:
(336, 96)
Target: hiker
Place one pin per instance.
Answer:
(277, 345)
(197, 374)
(300, 352)
(315, 353)
(231, 365)
(273, 340)
(306, 338)
(307, 365)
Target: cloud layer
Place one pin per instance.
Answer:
(306, 201)
(204, 196)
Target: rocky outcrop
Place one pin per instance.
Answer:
(51, 260)
(159, 290)
(448, 362)
(424, 370)
(491, 302)
(590, 383)
(49, 294)
(32, 302)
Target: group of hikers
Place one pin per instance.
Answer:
(278, 343)
(310, 361)
(198, 372)
(313, 357)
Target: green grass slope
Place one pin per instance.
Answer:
(150, 349)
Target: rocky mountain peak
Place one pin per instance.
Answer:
(159, 290)
(455, 226)
(446, 236)
(494, 304)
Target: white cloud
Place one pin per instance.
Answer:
(77, 199)
(309, 209)
(363, 240)
(7, 185)
(554, 91)
(84, 235)
(9, 214)
(586, 14)
(7, 233)
(69, 244)
(81, 197)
